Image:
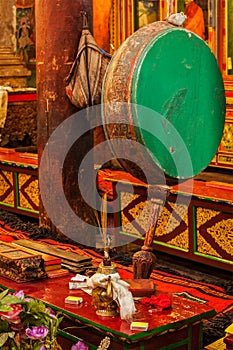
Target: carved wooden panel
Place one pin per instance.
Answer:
(28, 191)
(214, 233)
(6, 187)
(172, 225)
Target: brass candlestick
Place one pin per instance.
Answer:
(102, 297)
(102, 294)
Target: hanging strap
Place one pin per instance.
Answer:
(87, 70)
(85, 21)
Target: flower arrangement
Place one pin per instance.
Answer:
(26, 323)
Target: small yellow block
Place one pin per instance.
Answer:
(73, 300)
(139, 326)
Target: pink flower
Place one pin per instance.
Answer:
(80, 346)
(19, 294)
(28, 300)
(12, 315)
(37, 332)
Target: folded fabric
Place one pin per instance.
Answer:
(160, 302)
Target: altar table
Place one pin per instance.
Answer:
(178, 328)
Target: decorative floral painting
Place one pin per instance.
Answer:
(25, 33)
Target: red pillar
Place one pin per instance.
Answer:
(58, 29)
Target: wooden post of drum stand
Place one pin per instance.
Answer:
(144, 260)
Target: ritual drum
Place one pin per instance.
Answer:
(163, 104)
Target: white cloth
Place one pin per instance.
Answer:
(177, 19)
(121, 294)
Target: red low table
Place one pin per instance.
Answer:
(178, 328)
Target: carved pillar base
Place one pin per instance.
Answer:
(143, 263)
(144, 260)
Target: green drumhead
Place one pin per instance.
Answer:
(178, 76)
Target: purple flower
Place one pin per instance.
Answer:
(19, 294)
(80, 346)
(51, 312)
(37, 332)
(42, 347)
